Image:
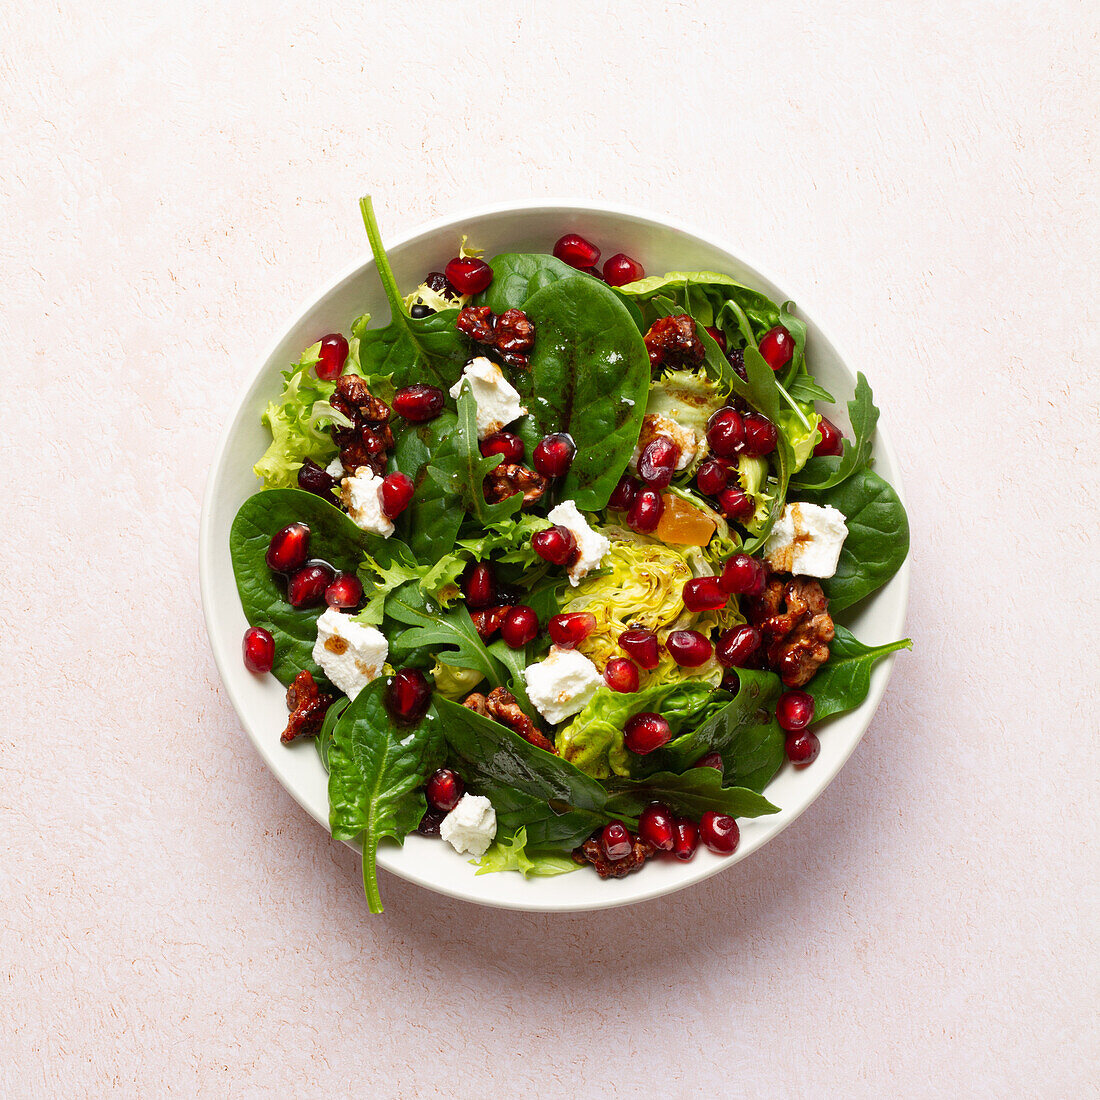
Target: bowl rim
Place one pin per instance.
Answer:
(389, 857)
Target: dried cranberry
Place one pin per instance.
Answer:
(468, 275)
(345, 591)
(646, 732)
(731, 682)
(794, 710)
(777, 347)
(736, 646)
(719, 832)
(480, 586)
(332, 356)
(711, 760)
(621, 674)
(288, 548)
(736, 359)
(711, 478)
(616, 841)
(802, 748)
(736, 504)
(306, 588)
(658, 462)
(557, 544)
(313, 479)
(656, 826)
(519, 627)
(554, 454)
(831, 440)
(685, 839)
(620, 269)
(430, 822)
(643, 646)
(569, 630)
(395, 494)
(645, 512)
(408, 695)
(437, 281)
(760, 435)
(259, 649)
(576, 251)
(503, 443)
(718, 337)
(704, 594)
(444, 789)
(689, 648)
(743, 576)
(623, 494)
(726, 433)
(418, 403)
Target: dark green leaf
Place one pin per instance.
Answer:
(431, 522)
(830, 470)
(842, 683)
(690, 794)
(518, 275)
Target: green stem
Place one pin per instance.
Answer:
(793, 404)
(370, 876)
(385, 272)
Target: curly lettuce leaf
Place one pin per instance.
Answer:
(512, 855)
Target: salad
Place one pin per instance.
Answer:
(550, 563)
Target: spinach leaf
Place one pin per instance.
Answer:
(428, 349)
(376, 772)
(430, 523)
(830, 470)
(512, 855)
(518, 275)
(692, 794)
(843, 681)
(263, 597)
(528, 787)
(588, 376)
(878, 536)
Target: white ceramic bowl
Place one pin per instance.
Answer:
(661, 245)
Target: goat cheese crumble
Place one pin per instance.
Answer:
(362, 496)
(497, 402)
(592, 546)
(561, 686)
(471, 826)
(350, 654)
(807, 539)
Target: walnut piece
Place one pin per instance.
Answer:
(673, 344)
(370, 437)
(509, 478)
(591, 852)
(307, 704)
(501, 706)
(796, 640)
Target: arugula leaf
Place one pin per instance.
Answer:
(376, 775)
(842, 683)
(806, 389)
(588, 376)
(512, 855)
(515, 661)
(460, 469)
(508, 540)
(528, 787)
(830, 470)
(691, 794)
(324, 738)
(428, 349)
(518, 275)
(431, 521)
(878, 536)
(263, 597)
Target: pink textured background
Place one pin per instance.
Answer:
(174, 182)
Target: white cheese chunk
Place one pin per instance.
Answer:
(350, 654)
(591, 544)
(806, 539)
(498, 403)
(471, 826)
(561, 685)
(654, 425)
(335, 468)
(362, 496)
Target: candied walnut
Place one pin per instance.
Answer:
(369, 438)
(591, 852)
(511, 335)
(514, 332)
(502, 706)
(476, 702)
(793, 616)
(307, 704)
(488, 621)
(477, 322)
(673, 343)
(509, 478)
(354, 400)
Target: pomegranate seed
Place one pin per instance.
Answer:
(777, 347)
(643, 646)
(480, 586)
(443, 790)
(616, 841)
(736, 359)
(658, 462)
(621, 674)
(760, 435)
(718, 337)
(743, 576)
(685, 839)
(594, 272)
(621, 269)
(288, 548)
(430, 822)
(554, 455)
(259, 649)
(569, 630)
(418, 403)
(332, 356)
(395, 494)
(624, 493)
(726, 433)
(315, 480)
(711, 760)
(736, 504)
(646, 732)
(831, 441)
(794, 710)
(520, 626)
(556, 544)
(503, 443)
(704, 594)
(802, 748)
(645, 512)
(306, 588)
(736, 646)
(656, 826)
(345, 591)
(689, 648)
(731, 682)
(576, 251)
(468, 274)
(719, 832)
(711, 478)
(408, 695)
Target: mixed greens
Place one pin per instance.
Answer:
(597, 376)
